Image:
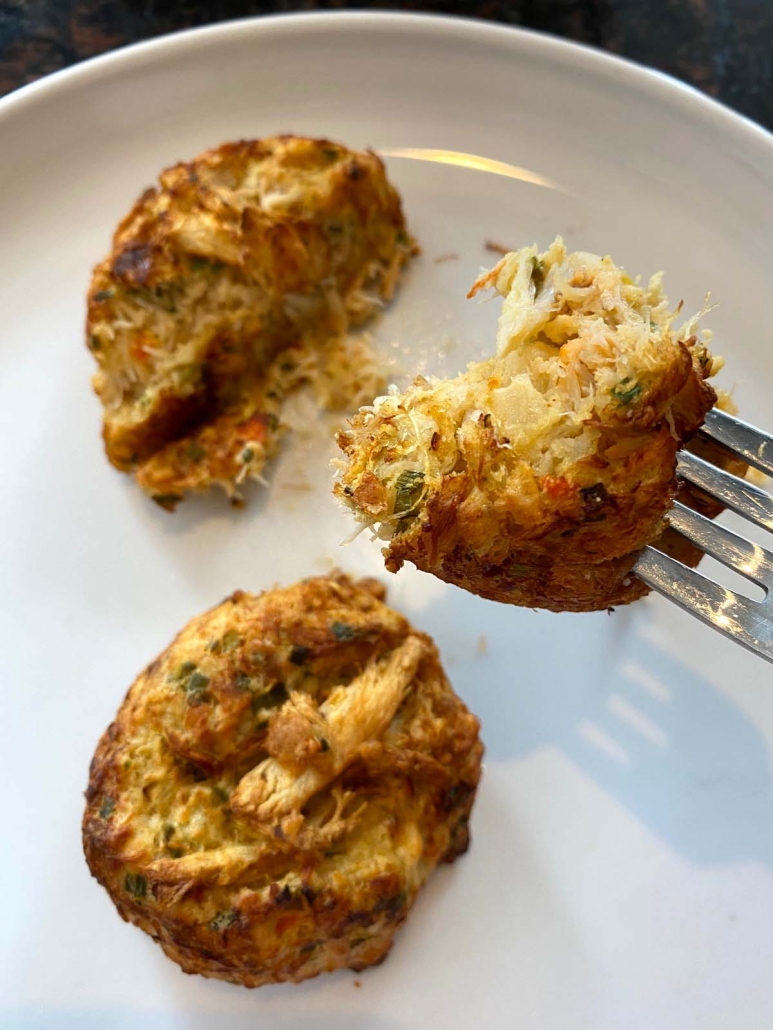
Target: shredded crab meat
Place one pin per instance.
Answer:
(577, 342)
(351, 716)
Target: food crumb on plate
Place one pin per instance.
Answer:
(497, 248)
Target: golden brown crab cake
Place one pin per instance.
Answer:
(536, 476)
(280, 782)
(251, 248)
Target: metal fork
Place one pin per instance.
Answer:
(747, 622)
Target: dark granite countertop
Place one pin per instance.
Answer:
(724, 47)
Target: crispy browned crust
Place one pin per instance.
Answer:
(169, 829)
(205, 247)
(576, 551)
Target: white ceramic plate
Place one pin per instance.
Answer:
(621, 873)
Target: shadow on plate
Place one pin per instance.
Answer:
(659, 737)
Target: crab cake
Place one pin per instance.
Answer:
(536, 476)
(280, 782)
(251, 250)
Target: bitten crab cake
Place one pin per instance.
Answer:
(280, 782)
(223, 283)
(536, 476)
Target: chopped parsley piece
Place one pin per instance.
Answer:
(626, 393)
(220, 793)
(103, 295)
(196, 688)
(409, 489)
(183, 671)
(194, 451)
(202, 264)
(343, 631)
(243, 681)
(537, 273)
(275, 698)
(391, 905)
(230, 640)
(136, 885)
(223, 920)
(107, 807)
(402, 237)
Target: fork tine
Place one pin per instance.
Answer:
(745, 498)
(751, 560)
(737, 617)
(752, 444)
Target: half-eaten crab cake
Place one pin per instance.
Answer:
(223, 285)
(280, 782)
(536, 476)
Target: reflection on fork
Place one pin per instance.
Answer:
(744, 620)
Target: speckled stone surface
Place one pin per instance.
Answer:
(724, 47)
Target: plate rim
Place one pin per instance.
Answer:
(657, 85)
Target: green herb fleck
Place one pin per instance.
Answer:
(187, 374)
(537, 273)
(409, 489)
(230, 640)
(101, 295)
(402, 237)
(196, 688)
(107, 807)
(306, 948)
(625, 393)
(323, 744)
(220, 793)
(273, 699)
(168, 832)
(203, 264)
(94, 342)
(330, 153)
(183, 671)
(343, 631)
(175, 852)
(195, 452)
(243, 681)
(392, 904)
(136, 885)
(247, 455)
(223, 920)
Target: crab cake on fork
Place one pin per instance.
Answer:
(536, 476)
(280, 782)
(252, 250)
